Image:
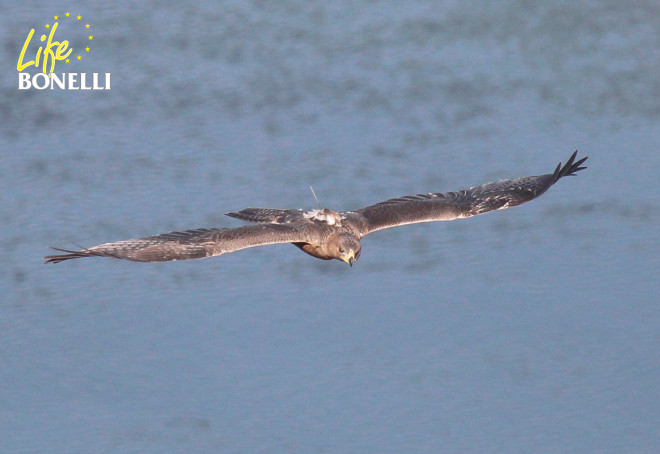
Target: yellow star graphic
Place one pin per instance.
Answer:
(86, 49)
(67, 14)
(79, 57)
(55, 17)
(86, 25)
(91, 37)
(79, 17)
(67, 60)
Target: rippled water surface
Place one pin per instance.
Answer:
(535, 329)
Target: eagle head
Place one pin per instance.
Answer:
(345, 247)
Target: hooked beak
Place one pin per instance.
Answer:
(349, 258)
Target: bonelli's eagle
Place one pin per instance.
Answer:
(323, 233)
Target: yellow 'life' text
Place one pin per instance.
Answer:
(48, 55)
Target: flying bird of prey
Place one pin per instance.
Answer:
(323, 233)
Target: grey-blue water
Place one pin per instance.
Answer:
(534, 329)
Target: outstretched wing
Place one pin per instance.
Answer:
(462, 204)
(189, 244)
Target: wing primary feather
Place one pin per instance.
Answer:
(69, 254)
(569, 169)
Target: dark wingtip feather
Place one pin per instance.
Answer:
(67, 256)
(570, 168)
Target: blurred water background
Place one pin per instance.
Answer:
(535, 329)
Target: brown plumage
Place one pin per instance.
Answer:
(324, 233)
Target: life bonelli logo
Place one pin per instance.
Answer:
(42, 53)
